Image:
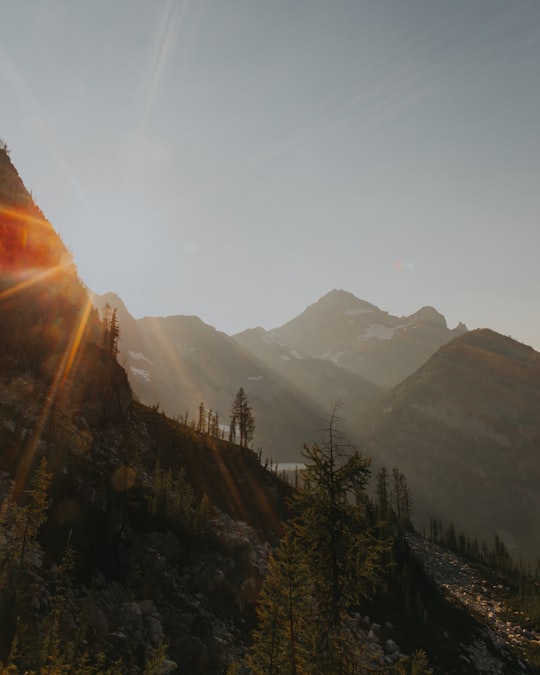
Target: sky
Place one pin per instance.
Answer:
(238, 159)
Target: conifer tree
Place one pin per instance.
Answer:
(282, 641)
(232, 430)
(111, 330)
(215, 426)
(346, 560)
(201, 422)
(34, 514)
(106, 313)
(242, 417)
(114, 334)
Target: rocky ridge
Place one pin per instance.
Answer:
(503, 634)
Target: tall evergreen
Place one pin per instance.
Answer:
(283, 639)
(201, 421)
(337, 552)
(111, 330)
(345, 557)
(34, 514)
(242, 418)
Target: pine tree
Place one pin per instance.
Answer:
(111, 330)
(346, 561)
(215, 426)
(201, 422)
(114, 334)
(106, 325)
(34, 514)
(242, 418)
(283, 639)
(232, 430)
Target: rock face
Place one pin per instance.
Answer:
(465, 429)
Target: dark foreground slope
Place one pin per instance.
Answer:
(135, 542)
(465, 429)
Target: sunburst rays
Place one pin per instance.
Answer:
(66, 363)
(33, 277)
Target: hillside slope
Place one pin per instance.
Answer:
(118, 526)
(179, 362)
(465, 428)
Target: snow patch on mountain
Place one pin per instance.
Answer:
(138, 356)
(256, 379)
(292, 354)
(358, 311)
(139, 372)
(380, 332)
(335, 358)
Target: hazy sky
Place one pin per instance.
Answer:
(237, 159)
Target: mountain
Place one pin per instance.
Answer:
(99, 561)
(28, 240)
(365, 340)
(340, 349)
(49, 327)
(465, 429)
(319, 380)
(179, 362)
(132, 543)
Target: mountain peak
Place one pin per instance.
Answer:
(27, 239)
(341, 299)
(429, 315)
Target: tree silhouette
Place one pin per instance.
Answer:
(329, 561)
(111, 330)
(242, 419)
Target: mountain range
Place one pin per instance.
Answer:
(361, 338)
(340, 349)
(457, 411)
(129, 537)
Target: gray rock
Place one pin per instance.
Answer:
(154, 629)
(390, 647)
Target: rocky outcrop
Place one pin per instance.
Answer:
(504, 642)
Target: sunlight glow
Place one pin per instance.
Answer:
(33, 279)
(56, 388)
(23, 215)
